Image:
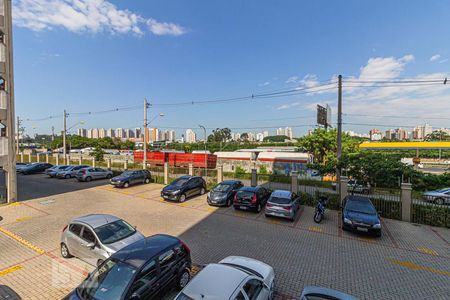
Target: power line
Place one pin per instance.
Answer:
(380, 125)
(398, 117)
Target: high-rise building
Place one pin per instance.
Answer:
(237, 136)
(171, 136)
(375, 134)
(129, 134)
(120, 133)
(280, 131)
(94, 133)
(427, 129)
(389, 134)
(190, 136)
(251, 136)
(101, 133)
(266, 133)
(110, 133)
(82, 132)
(137, 133)
(260, 136)
(288, 132)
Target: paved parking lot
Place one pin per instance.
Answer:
(408, 261)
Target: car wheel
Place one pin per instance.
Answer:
(183, 279)
(126, 184)
(182, 198)
(202, 191)
(109, 176)
(147, 180)
(228, 203)
(439, 201)
(67, 176)
(258, 208)
(99, 262)
(88, 179)
(318, 217)
(378, 234)
(65, 251)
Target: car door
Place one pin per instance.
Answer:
(255, 289)
(74, 238)
(138, 177)
(190, 187)
(167, 266)
(146, 284)
(89, 254)
(100, 173)
(295, 201)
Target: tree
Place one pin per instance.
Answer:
(220, 135)
(438, 135)
(244, 136)
(98, 153)
(276, 138)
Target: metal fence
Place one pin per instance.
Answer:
(431, 211)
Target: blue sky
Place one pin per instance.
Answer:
(96, 55)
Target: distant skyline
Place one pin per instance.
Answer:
(68, 57)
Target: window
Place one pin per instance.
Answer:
(240, 296)
(146, 277)
(88, 235)
(252, 288)
(75, 229)
(166, 260)
(115, 231)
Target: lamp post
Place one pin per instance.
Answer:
(144, 160)
(65, 131)
(206, 156)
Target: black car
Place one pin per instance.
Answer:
(146, 269)
(223, 193)
(131, 177)
(184, 187)
(360, 215)
(251, 198)
(35, 168)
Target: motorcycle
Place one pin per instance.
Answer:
(320, 209)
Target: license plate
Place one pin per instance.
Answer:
(362, 229)
(243, 207)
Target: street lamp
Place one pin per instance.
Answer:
(206, 156)
(144, 163)
(65, 131)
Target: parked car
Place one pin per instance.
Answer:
(35, 168)
(20, 166)
(88, 174)
(223, 193)
(234, 277)
(320, 293)
(251, 198)
(55, 169)
(360, 215)
(440, 197)
(354, 187)
(94, 238)
(184, 187)
(70, 172)
(128, 178)
(284, 204)
(147, 269)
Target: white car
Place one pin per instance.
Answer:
(233, 278)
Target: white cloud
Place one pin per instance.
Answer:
(85, 16)
(435, 57)
(265, 83)
(165, 28)
(292, 79)
(288, 105)
(384, 67)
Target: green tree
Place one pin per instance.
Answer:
(276, 138)
(220, 135)
(98, 153)
(438, 135)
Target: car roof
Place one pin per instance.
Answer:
(358, 198)
(249, 188)
(140, 252)
(230, 182)
(96, 220)
(282, 194)
(215, 281)
(332, 294)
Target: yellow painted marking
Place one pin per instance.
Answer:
(162, 200)
(210, 209)
(366, 239)
(413, 266)
(195, 270)
(15, 204)
(315, 229)
(274, 222)
(405, 145)
(10, 270)
(428, 251)
(238, 214)
(22, 241)
(23, 219)
(183, 205)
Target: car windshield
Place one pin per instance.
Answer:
(64, 167)
(443, 190)
(127, 173)
(278, 200)
(179, 181)
(360, 207)
(245, 194)
(107, 282)
(222, 188)
(115, 231)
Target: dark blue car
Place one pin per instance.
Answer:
(360, 215)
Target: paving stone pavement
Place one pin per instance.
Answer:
(408, 261)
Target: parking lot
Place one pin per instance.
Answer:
(408, 261)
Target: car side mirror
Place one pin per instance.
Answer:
(90, 245)
(135, 296)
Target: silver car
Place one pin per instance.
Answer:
(91, 173)
(70, 172)
(439, 197)
(284, 204)
(94, 238)
(55, 169)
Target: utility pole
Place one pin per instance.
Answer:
(64, 136)
(206, 155)
(7, 86)
(339, 133)
(53, 133)
(19, 122)
(144, 161)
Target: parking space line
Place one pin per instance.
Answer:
(315, 229)
(339, 224)
(10, 270)
(39, 210)
(428, 251)
(22, 241)
(66, 263)
(23, 219)
(413, 266)
(439, 235)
